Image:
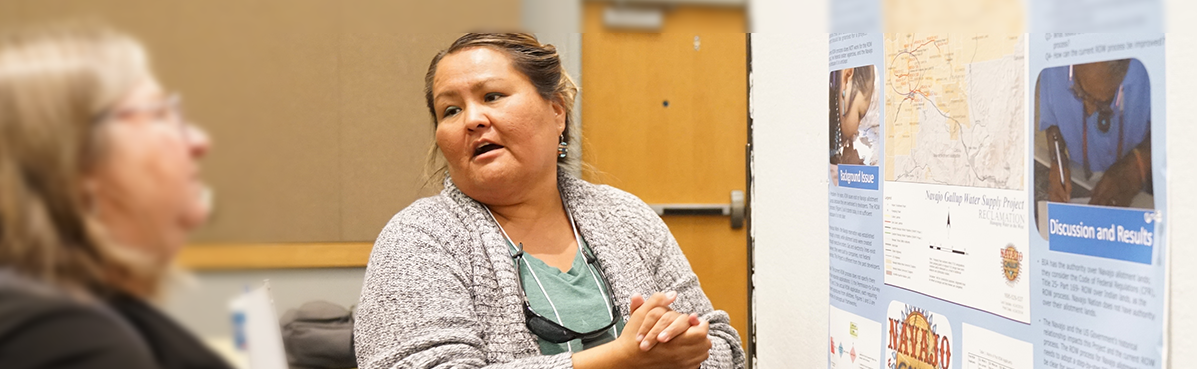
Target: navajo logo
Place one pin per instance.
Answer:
(1011, 264)
(917, 339)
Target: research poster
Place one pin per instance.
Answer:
(997, 200)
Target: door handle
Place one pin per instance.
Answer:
(735, 209)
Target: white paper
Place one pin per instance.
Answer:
(986, 349)
(854, 341)
(263, 339)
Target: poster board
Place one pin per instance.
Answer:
(997, 199)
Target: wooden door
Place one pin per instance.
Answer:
(664, 116)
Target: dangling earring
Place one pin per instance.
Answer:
(562, 148)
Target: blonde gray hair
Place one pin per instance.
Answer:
(55, 83)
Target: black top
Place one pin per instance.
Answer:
(42, 328)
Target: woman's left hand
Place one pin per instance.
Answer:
(661, 323)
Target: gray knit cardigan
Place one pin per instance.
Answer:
(441, 290)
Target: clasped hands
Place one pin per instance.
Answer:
(655, 337)
(659, 337)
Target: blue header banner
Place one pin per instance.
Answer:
(1105, 232)
(859, 176)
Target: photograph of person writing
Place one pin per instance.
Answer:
(1093, 139)
(1095, 134)
(517, 263)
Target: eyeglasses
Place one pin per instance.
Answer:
(167, 111)
(546, 328)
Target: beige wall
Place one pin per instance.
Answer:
(315, 108)
(317, 114)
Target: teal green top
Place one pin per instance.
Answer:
(579, 300)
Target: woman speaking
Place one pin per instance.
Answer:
(517, 263)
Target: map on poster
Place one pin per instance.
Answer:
(954, 109)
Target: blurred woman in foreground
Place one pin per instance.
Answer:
(98, 190)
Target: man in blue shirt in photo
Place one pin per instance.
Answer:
(1097, 116)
